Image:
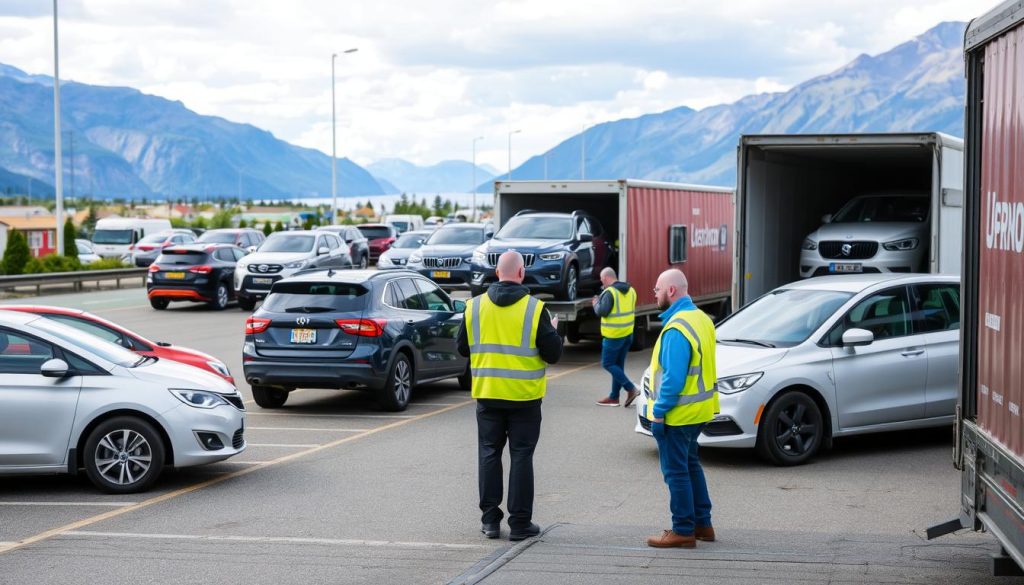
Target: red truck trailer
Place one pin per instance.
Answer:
(989, 448)
(655, 225)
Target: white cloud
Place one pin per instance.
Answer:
(429, 76)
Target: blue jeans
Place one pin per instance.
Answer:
(680, 464)
(613, 359)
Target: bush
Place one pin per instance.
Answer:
(70, 248)
(105, 264)
(52, 263)
(267, 228)
(278, 227)
(17, 254)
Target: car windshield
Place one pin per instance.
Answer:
(538, 228)
(782, 318)
(217, 237)
(373, 233)
(411, 241)
(83, 249)
(154, 239)
(884, 209)
(288, 243)
(401, 226)
(315, 297)
(112, 237)
(74, 338)
(457, 236)
(180, 258)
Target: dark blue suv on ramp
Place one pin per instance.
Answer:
(381, 331)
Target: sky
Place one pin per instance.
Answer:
(429, 77)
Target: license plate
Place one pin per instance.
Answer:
(263, 281)
(840, 267)
(440, 274)
(303, 335)
(174, 275)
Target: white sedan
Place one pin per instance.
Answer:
(831, 357)
(69, 400)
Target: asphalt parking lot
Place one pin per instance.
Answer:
(333, 490)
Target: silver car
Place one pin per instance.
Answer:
(872, 233)
(70, 400)
(830, 357)
(145, 251)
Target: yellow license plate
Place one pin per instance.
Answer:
(440, 274)
(175, 275)
(303, 335)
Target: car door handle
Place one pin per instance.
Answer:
(911, 352)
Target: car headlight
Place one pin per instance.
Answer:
(220, 368)
(809, 244)
(479, 257)
(198, 398)
(734, 384)
(552, 256)
(415, 258)
(384, 260)
(298, 264)
(901, 245)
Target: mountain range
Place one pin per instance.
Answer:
(916, 86)
(444, 177)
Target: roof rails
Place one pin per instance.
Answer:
(525, 211)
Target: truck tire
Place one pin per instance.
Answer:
(791, 431)
(640, 335)
(269, 397)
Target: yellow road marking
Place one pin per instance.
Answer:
(6, 547)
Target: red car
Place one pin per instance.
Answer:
(104, 329)
(380, 237)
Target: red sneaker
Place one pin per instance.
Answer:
(608, 401)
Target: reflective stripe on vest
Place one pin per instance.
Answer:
(620, 321)
(504, 361)
(698, 402)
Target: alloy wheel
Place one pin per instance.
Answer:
(403, 382)
(123, 457)
(795, 431)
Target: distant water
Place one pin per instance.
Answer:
(463, 200)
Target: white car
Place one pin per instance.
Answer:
(86, 255)
(72, 401)
(830, 357)
(282, 255)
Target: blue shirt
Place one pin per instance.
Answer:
(675, 360)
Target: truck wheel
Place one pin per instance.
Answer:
(269, 397)
(246, 304)
(572, 332)
(791, 431)
(640, 333)
(570, 284)
(159, 304)
(123, 455)
(394, 396)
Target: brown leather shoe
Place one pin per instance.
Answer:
(706, 533)
(669, 539)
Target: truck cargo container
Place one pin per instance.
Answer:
(989, 448)
(788, 186)
(655, 226)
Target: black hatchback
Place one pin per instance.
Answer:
(193, 272)
(385, 332)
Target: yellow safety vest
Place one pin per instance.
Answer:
(503, 356)
(698, 402)
(619, 323)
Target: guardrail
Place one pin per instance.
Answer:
(76, 278)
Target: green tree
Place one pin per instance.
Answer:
(308, 224)
(242, 224)
(438, 205)
(70, 248)
(267, 228)
(278, 227)
(200, 223)
(89, 225)
(16, 255)
(222, 219)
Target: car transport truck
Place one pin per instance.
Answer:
(817, 204)
(652, 226)
(989, 448)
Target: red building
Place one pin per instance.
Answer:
(41, 232)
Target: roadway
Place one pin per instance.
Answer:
(332, 490)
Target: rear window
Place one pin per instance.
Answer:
(181, 258)
(316, 297)
(373, 233)
(218, 237)
(154, 239)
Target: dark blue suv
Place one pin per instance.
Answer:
(385, 332)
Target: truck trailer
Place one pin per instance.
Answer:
(655, 225)
(789, 186)
(989, 448)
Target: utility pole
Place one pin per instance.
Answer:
(57, 163)
(334, 143)
(71, 147)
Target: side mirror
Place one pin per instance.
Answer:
(125, 343)
(54, 369)
(857, 337)
(827, 218)
(586, 237)
(460, 306)
(322, 250)
(250, 249)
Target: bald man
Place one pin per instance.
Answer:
(684, 376)
(509, 338)
(615, 306)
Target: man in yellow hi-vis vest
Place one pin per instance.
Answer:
(683, 374)
(509, 339)
(615, 306)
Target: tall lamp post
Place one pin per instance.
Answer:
(510, 152)
(334, 143)
(57, 162)
(475, 140)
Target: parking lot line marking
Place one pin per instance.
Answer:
(110, 504)
(304, 415)
(47, 534)
(279, 539)
(292, 445)
(305, 429)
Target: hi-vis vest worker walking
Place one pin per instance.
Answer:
(683, 375)
(616, 306)
(509, 338)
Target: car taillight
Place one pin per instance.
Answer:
(201, 269)
(256, 325)
(131, 247)
(165, 244)
(154, 268)
(363, 327)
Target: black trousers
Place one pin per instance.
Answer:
(520, 428)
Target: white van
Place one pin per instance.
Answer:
(404, 223)
(114, 236)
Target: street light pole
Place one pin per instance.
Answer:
(57, 162)
(475, 140)
(334, 143)
(510, 152)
